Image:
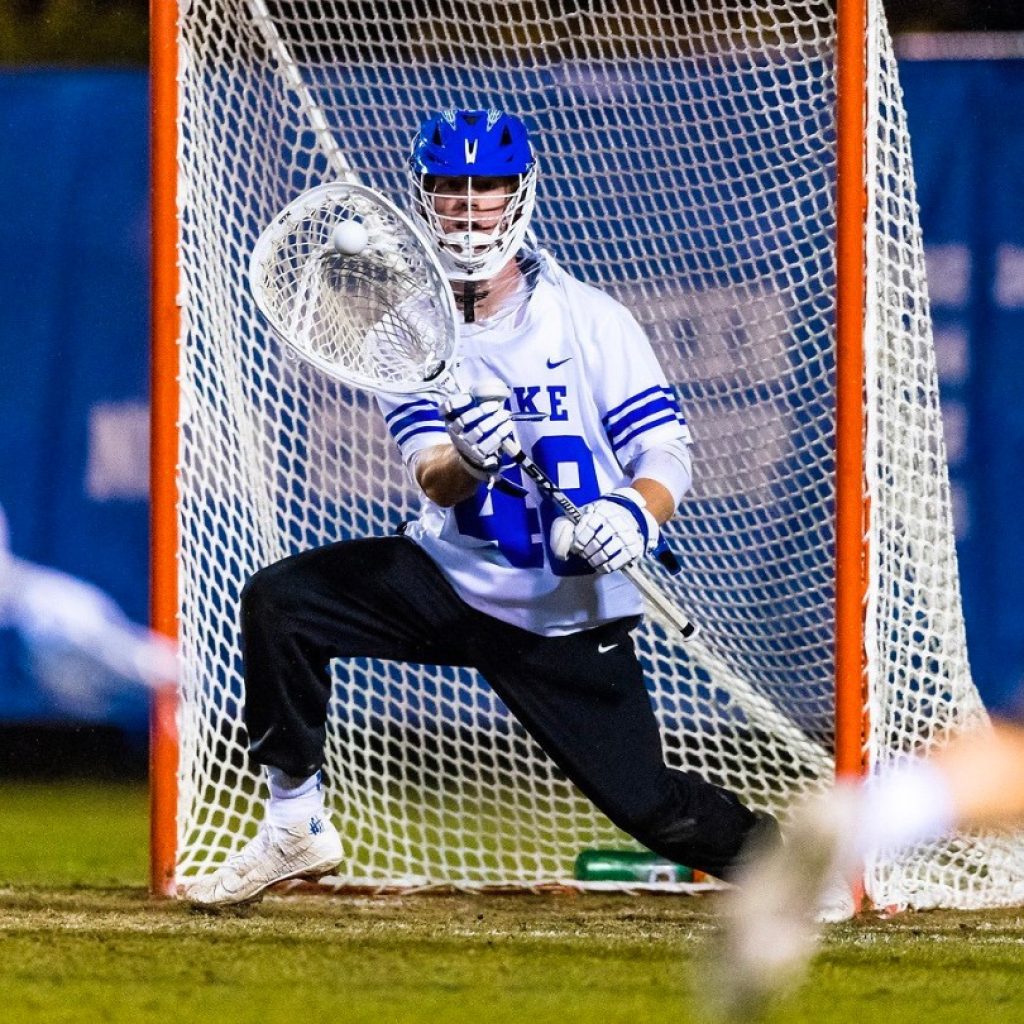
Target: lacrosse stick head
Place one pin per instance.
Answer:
(381, 317)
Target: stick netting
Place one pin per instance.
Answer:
(375, 317)
(687, 166)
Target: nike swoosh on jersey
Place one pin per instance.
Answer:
(554, 365)
(605, 648)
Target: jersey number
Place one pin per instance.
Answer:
(522, 531)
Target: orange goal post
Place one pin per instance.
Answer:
(742, 180)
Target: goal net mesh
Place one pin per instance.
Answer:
(688, 168)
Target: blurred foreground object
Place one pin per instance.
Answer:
(770, 928)
(82, 646)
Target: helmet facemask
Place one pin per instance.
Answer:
(476, 227)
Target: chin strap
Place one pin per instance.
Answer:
(469, 301)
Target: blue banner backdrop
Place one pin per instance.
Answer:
(967, 129)
(74, 243)
(73, 287)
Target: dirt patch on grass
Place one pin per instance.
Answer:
(422, 916)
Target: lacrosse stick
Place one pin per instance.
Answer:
(377, 312)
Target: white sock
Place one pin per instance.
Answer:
(909, 805)
(293, 801)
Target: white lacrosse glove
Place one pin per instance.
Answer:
(479, 424)
(613, 531)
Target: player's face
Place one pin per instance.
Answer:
(476, 204)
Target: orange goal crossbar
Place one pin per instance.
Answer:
(165, 324)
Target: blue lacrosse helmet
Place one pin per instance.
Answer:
(474, 145)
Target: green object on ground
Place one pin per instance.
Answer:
(638, 866)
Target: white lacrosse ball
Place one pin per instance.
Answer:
(349, 238)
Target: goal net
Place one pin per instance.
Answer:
(688, 168)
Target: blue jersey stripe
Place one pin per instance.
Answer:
(408, 407)
(659, 404)
(429, 428)
(644, 427)
(639, 396)
(429, 415)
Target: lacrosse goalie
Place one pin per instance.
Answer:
(488, 577)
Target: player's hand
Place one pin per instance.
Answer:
(613, 531)
(479, 423)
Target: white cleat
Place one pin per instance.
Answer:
(310, 851)
(784, 894)
(835, 903)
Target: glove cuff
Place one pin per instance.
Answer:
(635, 503)
(472, 468)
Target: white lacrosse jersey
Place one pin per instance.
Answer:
(577, 358)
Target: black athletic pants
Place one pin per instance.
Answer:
(581, 696)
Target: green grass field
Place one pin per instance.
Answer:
(82, 942)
